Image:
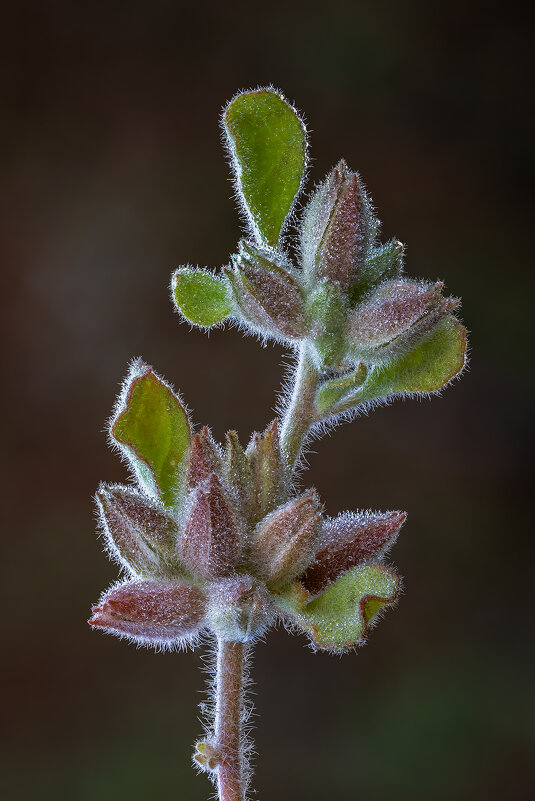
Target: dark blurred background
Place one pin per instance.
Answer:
(112, 175)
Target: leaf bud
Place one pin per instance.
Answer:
(239, 476)
(382, 263)
(349, 540)
(327, 317)
(336, 228)
(284, 541)
(204, 458)
(395, 317)
(138, 535)
(151, 612)
(335, 389)
(269, 470)
(266, 293)
(206, 756)
(210, 543)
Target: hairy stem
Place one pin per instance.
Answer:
(300, 414)
(229, 737)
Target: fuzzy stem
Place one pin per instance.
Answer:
(229, 739)
(300, 413)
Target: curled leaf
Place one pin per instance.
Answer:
(397, 315)
(339, 618)
(239, 477)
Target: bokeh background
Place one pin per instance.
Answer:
(112, 175)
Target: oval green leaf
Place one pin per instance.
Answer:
(152, 429)
(428, 367)
(267, 141)
(201, 297)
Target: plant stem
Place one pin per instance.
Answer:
(229, 738)
(300, 413)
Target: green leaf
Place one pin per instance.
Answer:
(334, 390)
(383, 264)
(339, 617)
(326, 316)
(152, 429)
(201, 297)
(428, 367)
(267, 141)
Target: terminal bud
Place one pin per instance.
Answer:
(336, 228)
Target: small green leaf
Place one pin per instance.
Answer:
(428, 367)
(332, 391)
(152, 429)
(267, 141)
(326, 316)
(201, 297)
(383, 264)
(339, 617)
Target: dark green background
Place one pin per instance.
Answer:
(113, 175)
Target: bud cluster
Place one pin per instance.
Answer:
(239, 552)
(348, 298)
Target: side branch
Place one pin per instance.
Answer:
(229, 737)
(300, 414)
